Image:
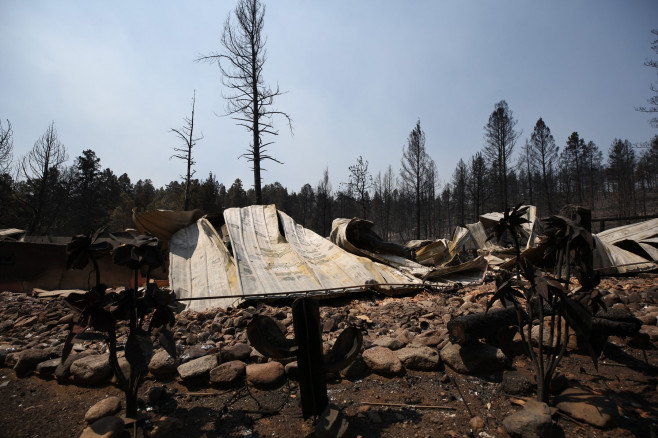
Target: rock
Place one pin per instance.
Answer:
(191, 353)
(48, 367)
(611, 299)
(473, 358)
(329, 324)
(63, 370)
(29, 359)
(106, 427)
(517, 383)
(534, 420)
(124, 366)
(429, 341)
(228, 374)
(649, 319)
(405, 336)
(388, 342)
(356, 370)
(104, 408)
(91, 370)
(197, 368)
(650, 330)
(331, 423)
(265, 374)
(292, 370)
(237, 352)
(156, 395)
(166, 427)
(476, 423)
(585, 406)
(162, 365)
(382, 361)
(257, 357)
(418, 357)
(374, 417)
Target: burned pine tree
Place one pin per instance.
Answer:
(250, 100)
(413, 170)
(186, 134)
(41, 169)
(543, 156)
(500, 138)
(6, 146)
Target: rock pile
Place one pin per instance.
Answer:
(404, 333)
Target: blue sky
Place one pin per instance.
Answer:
(115, 77)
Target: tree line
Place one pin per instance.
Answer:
(44, 195)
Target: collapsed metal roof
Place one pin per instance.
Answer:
(271, 255)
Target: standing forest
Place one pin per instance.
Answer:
(46, 193)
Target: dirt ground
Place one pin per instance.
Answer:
(415, 404)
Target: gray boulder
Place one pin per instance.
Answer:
(229, 373)
(382, 361)
(91, 370)
(106, 427)
(265, 374)
(30, 358)
(389, 342)
(48, 367)
(586, 406)
(236, 352)
(197, 368)
(104, 408)
(473, 358)
(534, 420)
(162, 365)
(418, 357)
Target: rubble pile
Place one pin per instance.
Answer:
(400, 334)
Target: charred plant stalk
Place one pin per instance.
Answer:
(131, 402)
(96, 270)
(542, 378)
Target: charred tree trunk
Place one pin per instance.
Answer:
(470, 328)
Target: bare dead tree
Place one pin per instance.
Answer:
(38, 168)
(653, 100)
(250, 100)
(360, 183)
(6, 146)
(186, 134)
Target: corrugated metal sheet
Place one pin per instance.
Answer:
(271, 255)
(339, 236)
(201, 266)
(529, 230)
(637, 232)
(164, 223)
(611, 259)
